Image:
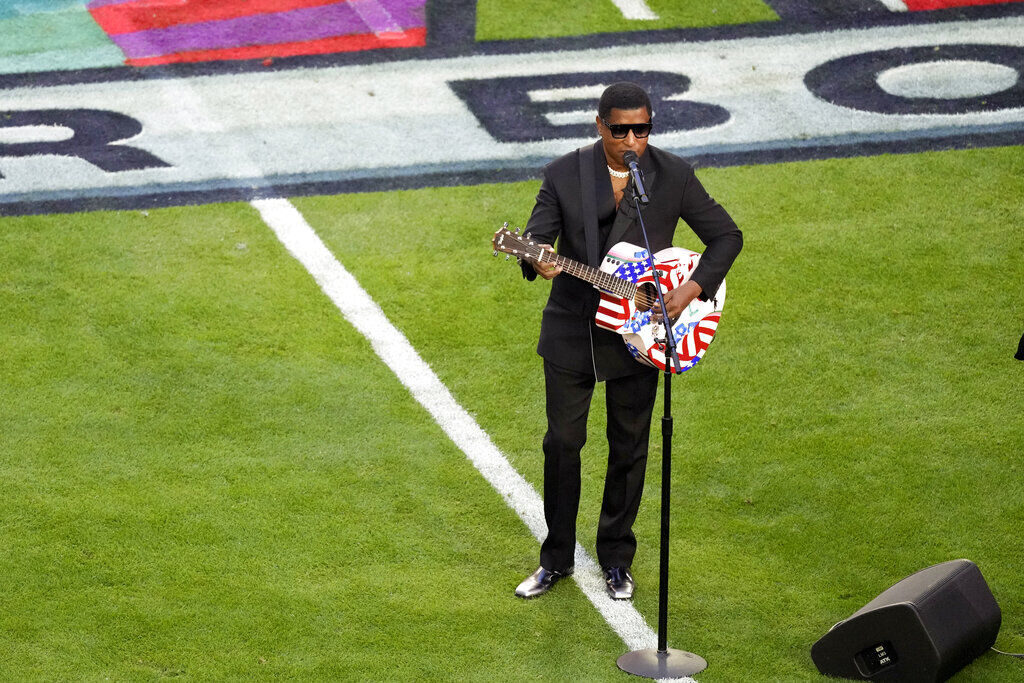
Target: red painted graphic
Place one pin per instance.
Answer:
(924, 5)
(145, 15)
(351, 43)
(171, 31)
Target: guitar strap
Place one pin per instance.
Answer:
(589, 209)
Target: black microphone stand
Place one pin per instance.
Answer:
(665, 662)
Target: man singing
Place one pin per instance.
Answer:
(584, 203)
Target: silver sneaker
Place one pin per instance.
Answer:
(540, 582)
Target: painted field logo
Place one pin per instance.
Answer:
(92, 134)
(940, 79)
(152, 33)
(529, 108)
(124, 137)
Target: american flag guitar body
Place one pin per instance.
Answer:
(628, 297)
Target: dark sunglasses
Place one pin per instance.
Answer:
(621, 130)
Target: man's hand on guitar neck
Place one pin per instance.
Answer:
(677, 300)
(548, 270)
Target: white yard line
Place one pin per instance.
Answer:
(635, 9)
(895, 5)
(412, 371)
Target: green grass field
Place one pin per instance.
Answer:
(206, 473)
(511, 19)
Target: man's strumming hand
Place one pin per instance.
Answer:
(677, 300)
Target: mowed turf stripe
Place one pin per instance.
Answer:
(398, 354)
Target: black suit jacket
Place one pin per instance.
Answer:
(566, 210)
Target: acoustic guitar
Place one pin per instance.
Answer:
(628, 296)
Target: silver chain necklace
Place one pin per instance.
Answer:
(617, 174)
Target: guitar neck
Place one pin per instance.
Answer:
(523, 247)
(598, 278)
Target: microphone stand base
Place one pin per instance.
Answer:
(653, 663)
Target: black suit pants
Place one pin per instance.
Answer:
(630, 401)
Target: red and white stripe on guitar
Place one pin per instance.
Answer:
(693, 331)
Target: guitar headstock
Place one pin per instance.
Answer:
(512, 243)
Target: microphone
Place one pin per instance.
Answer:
(630, 159)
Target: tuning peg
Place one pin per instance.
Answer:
(495, 252)
(517, 231)
(527, 236)
(508, 256)
(505, 225)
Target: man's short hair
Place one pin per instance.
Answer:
(623, 95)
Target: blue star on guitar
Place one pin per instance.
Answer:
(630, 271)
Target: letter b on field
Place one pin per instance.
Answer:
(546, 107)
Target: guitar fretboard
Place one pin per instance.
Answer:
(598, 278)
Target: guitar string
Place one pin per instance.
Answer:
(599, 277)
(607, 281)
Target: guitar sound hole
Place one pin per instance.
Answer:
(646, 297)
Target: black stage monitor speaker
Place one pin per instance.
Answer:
(925, 628)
